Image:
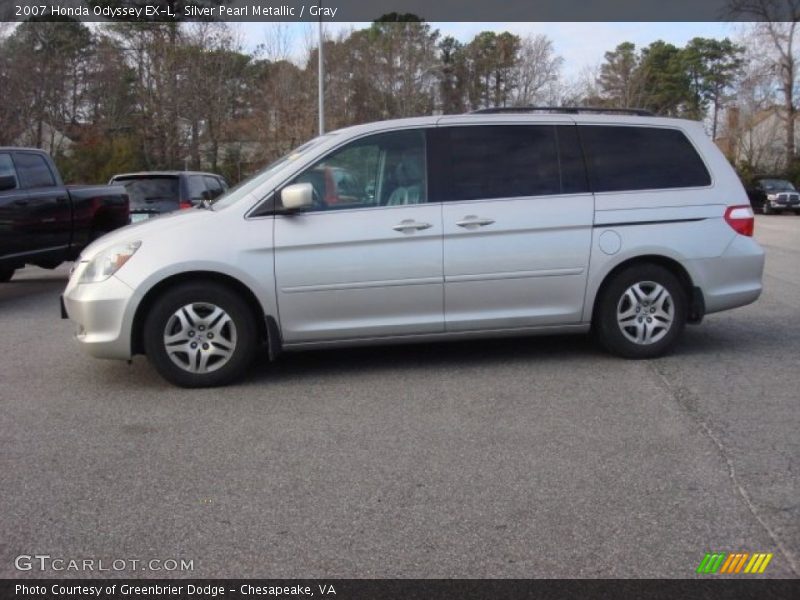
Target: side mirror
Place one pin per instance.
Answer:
(297, 196)
(7, 182)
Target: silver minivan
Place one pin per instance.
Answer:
(436, 228)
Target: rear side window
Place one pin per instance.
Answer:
(573, 167)
(641, 158)
(507, 161)
(146, 191)
(33, 170)
(499, 161)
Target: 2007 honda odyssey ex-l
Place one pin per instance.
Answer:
(491, 223)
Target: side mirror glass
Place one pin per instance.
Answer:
(297, 196)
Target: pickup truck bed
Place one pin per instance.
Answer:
(42, 221)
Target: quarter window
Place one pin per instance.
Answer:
(381, 170)
(641, 158)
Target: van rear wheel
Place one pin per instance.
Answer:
(641, 312)
(200, 335)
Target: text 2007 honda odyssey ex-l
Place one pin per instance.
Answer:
(434, 228)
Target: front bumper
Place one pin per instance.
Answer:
(101, 313)
(784, 201)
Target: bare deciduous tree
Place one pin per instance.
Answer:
(537, 71)
(582, 89)
(777, 27)
(278, 42)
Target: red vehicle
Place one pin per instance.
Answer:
(42, 221)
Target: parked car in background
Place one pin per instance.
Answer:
(155, 192)
(770, 195)
(333, 185)
(42, 221)
(454, 227)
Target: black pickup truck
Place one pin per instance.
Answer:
(42, 221)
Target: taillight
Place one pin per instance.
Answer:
(185, 204)
(741, 219)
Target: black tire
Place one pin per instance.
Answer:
(613, 298)
(201, 295)
(6, 273)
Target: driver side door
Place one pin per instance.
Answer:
(357, 265)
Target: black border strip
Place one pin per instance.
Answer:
(661, 222)
(344, 11)
(407, 589)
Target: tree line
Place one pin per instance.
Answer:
(144, 96)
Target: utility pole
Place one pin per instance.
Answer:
(320, 77)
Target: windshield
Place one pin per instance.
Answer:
(233, 195)
(777, 185)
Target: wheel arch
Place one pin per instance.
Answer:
(267, 326)
(694, 294)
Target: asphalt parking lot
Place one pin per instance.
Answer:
(539, 457)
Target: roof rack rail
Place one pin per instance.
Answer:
(571, 110)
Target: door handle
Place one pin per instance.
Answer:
(21, 202)
(472, 220)
(410, 225)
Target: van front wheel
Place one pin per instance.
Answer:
(641, 312)
(200, 335)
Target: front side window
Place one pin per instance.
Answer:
(381, 170)
(624, 158)
(33, 170)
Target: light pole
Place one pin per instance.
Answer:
(320, 75)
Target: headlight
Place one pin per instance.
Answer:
(108, 262)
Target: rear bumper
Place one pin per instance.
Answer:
(732, 279)
(101, 313)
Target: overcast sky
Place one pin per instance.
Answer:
(580, 44)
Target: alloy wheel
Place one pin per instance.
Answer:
(645, 312)
(200, 337)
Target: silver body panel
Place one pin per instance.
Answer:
(345, 274)
(349, 277)
(527, 268)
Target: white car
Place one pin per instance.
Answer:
(501, 222)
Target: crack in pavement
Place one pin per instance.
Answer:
(689, 405)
